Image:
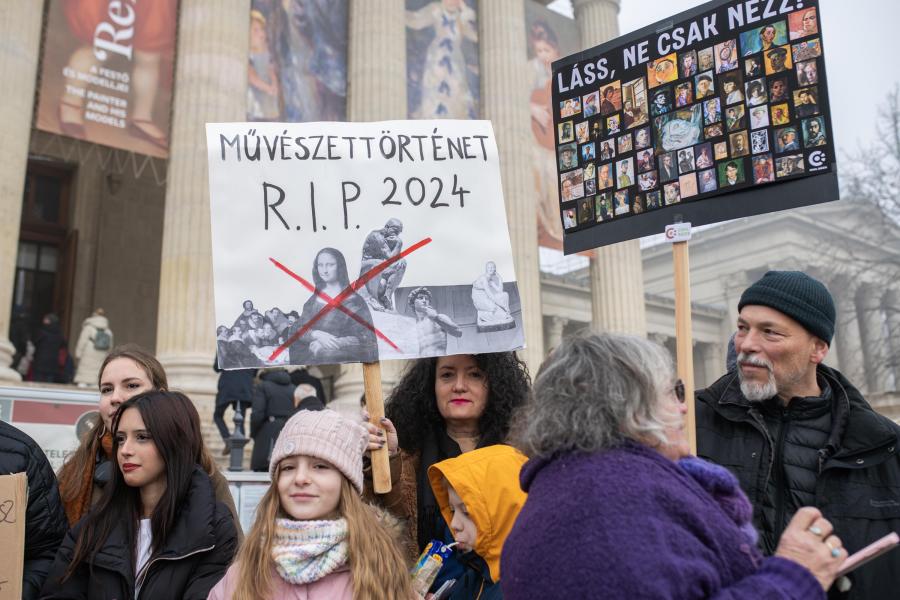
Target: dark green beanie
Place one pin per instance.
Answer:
(797, 295)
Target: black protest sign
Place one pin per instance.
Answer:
(716, 113)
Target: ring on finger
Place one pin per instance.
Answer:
(815, 530)
(835, 552)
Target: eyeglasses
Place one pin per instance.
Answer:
(679, 390)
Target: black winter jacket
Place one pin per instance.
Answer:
(194, 558)
(273, 404)
(234, 386)
(45, 519)
(858, 481)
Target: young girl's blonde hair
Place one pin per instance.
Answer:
(378, 568)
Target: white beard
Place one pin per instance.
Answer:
(757, 392)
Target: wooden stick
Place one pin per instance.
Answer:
(684, 342)
(381, 466)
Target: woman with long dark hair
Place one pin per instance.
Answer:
(335, 336)
(157, 531)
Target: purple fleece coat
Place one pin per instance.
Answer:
(630, 523)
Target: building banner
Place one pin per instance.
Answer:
(106, 75)
(694, 118)
(356, 242)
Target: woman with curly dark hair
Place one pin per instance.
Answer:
(441, 408)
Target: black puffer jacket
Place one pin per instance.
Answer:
(45, 519)
(194, 558)
(273, 404)
(857, 485)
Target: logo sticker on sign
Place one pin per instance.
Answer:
(678, 232)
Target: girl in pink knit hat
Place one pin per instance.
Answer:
(314, 537)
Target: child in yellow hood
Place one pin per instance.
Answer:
(479, 496)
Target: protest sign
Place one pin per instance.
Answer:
(106, 77)
(13, 504)
(688, 118)
(358, 242)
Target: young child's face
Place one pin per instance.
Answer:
(464, 531)
(309, 488)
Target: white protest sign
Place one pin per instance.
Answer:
(356, 242)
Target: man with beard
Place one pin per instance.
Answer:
(797, 433)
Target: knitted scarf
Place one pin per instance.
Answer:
(306, 551)
(723, 486)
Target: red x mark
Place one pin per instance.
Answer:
(337, 302)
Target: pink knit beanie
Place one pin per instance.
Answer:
(327, 435)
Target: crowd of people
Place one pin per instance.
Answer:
(579, 485)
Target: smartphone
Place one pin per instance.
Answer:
(873, 550)
(444, 590)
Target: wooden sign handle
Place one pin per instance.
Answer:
(381, 467)
(684, 341)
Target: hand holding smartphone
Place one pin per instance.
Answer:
(873, 550)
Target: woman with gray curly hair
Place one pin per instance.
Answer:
(624, 510)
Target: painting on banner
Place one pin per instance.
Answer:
(716, 113)
(356, 242)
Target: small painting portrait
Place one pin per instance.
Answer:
(603, 207)
(687, 185)
(596, 130)
(568, 156)
(807, 73)
(590, 104)
(612, 124)
(611, 98)
(707, 181)
(604, 176)
(642, 138)
(777, 59)
(791, 164)
(661, 71)
(590, 172)
(587, 152)
(572, 184)
(778, 89)
(652, 200)
(624, 173)
(803, 23)
(712, 131)
(753, 67)
(735, 117)
(635, 111)
(570, 107)
(685, 160)
(704, 85)
(671, 193)
(637, 205)
(726, 56)
(607, 150)
(687, 63)
(566, 132)
(585, 210)
(806, 102)
(763, 171)
(759, 141)
(779, 114)
(807, 50)
(620, 203)
(680, 128)
(756, 92)
(814, 132)
(684, 94)
(661, 101)
(705, 59)
(624, 143)
(712, 111)
(647, 181)
(703, 156)
(668, 167)
(590, 187)
(569, 218)
(786, 139)
(731, 172)
(763, 39)
(759, 117)
(732, 85)
(582, 132)
(646, 160)
(740, 145)
(720, 150)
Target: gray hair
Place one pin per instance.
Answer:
(593, 392)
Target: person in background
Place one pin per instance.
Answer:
(273, 405)
(51, 362)
(45, 519)
(303, 375)
(235, 390)
(94, 343)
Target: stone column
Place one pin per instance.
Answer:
(555, 332)
(892, 308)
(20, 27)
(847, 342)
(875, 342)
(710, 364)
(617, 275)
(210, 86)
(376, 91)
(505, 95)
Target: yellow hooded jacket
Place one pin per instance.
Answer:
(487, 481)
